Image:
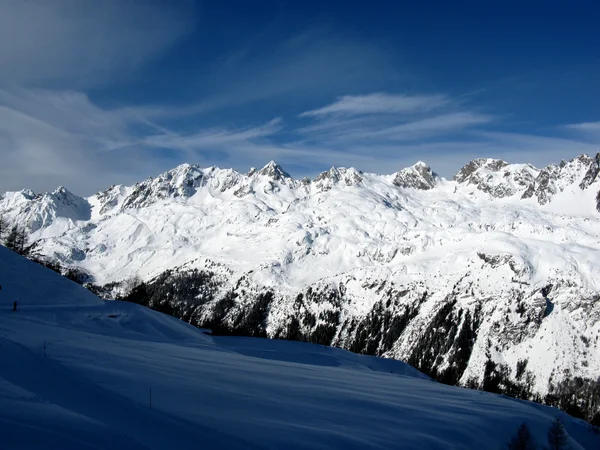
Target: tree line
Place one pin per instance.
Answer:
(13, 237)
(557, 438)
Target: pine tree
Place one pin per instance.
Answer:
(522, 440)
(12, 240)
(3, 227)
(557, 437)
(22, 241)
(17, 240)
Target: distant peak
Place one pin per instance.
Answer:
(418, 176)
(28, 194)
(274, 170)
(347, 176)
(471, 167)
(183, 166)
(62, 191)
(271, 165)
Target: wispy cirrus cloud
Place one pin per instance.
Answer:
(380, 103)
(213, 137)
(51, 138)
(426, 127)
(382, 117)
(589, 128)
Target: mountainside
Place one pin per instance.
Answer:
(490, 279)
(80, 373)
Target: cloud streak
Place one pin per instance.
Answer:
(380, 103)
(49, 138)
(382, 117)
(588, 128)
(215, 137)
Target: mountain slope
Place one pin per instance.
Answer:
(490, 276)
(96, 375)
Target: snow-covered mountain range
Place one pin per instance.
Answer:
(495, 272)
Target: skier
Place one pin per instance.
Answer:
(15, 306)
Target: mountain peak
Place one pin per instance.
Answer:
(180, 182)
(593, 172)
(274, 170)
(418, 176)
(498, 178)
(489, 164)
(349, 177)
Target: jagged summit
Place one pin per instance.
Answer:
(466, 174)
(325, 181)
(419, 176)
(501, 179)
(420, 164)
(38, 211)
(180, 182)
(274, 171)
(592, 173)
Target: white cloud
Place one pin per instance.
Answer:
(381, 117)
(590, 129)
(380, 103)
(585, 126)
(214, 137)
(427, 127)
(85, 42)
(519, 142)
(51, 138)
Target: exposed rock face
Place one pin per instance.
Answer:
(326, 180)
(544, 186)
(109, 198)
(592, 174)
(469, 172)
(498, 178)
(502, 180)
(274, 171)
(183, 181)
(420, 176)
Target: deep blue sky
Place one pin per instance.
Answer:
(111, 92)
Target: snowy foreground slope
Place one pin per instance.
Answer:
(500, 264)
(89, 388)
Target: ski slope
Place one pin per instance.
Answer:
(77, 373)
